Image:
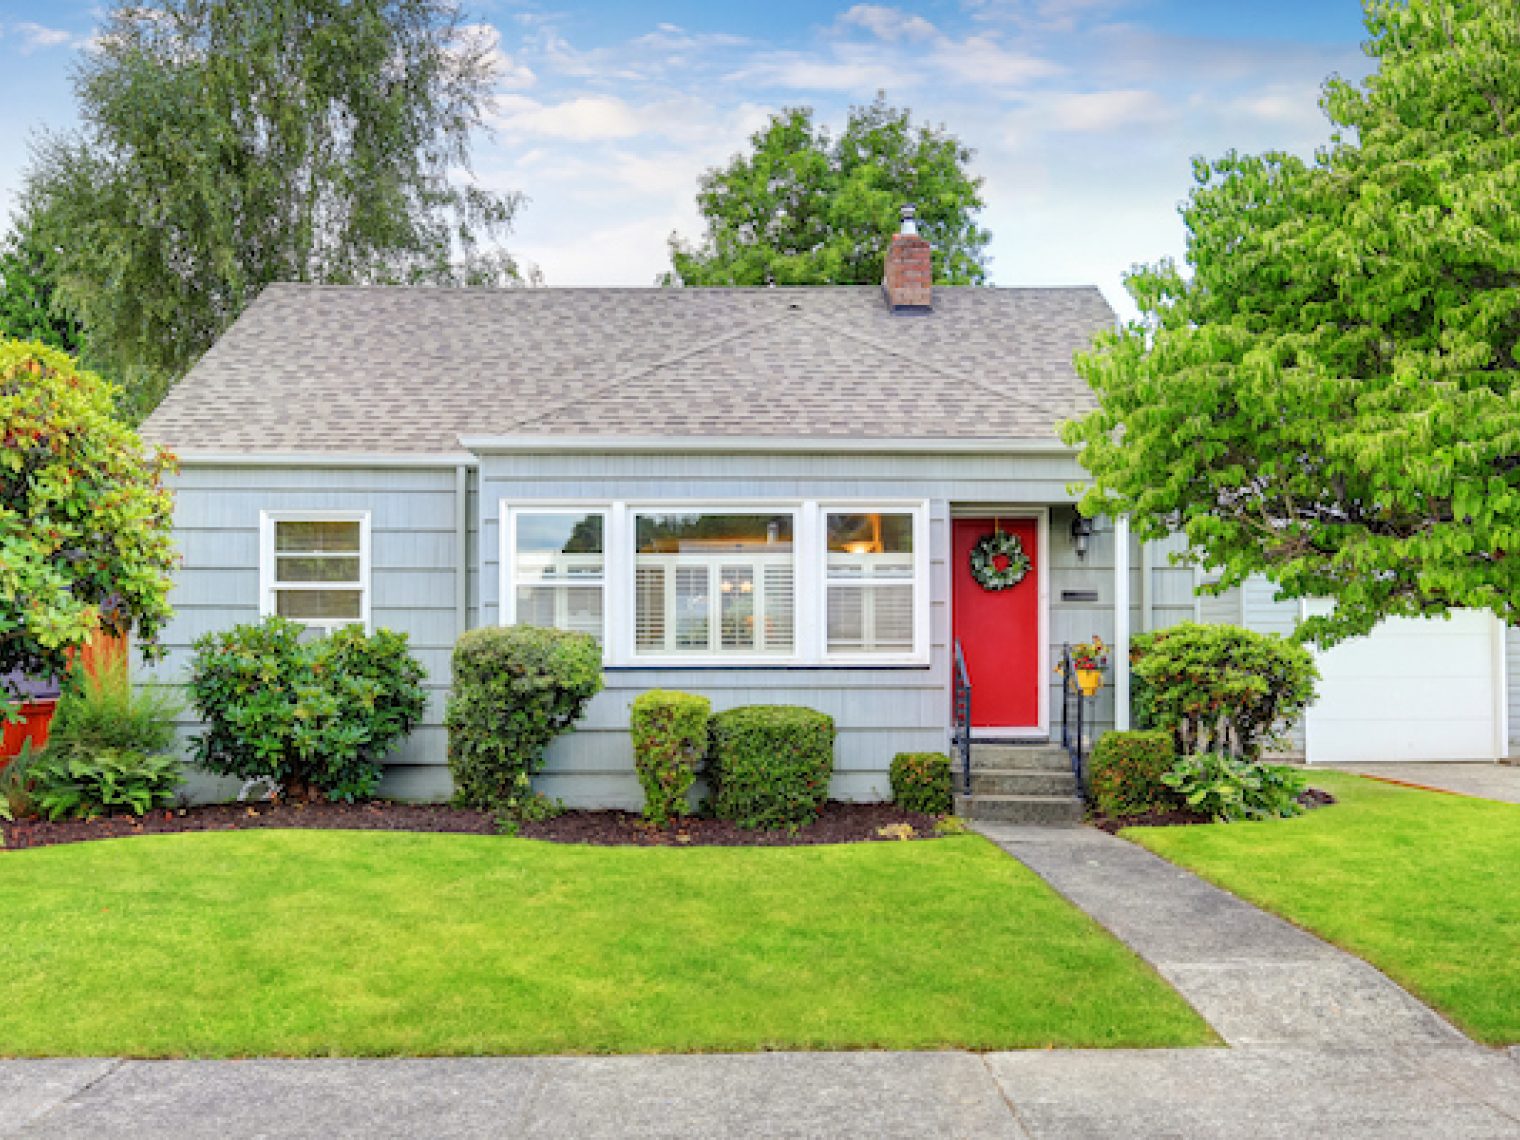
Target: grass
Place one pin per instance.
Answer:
(1424, 886)
(310, 943)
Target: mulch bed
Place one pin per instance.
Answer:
(837, 823)
(1310, 797)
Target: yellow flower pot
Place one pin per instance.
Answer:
(1089, 681)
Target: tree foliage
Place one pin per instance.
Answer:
(804, 207)
(84, 516)
(1328, 396)
(28, 270)
(230, 143)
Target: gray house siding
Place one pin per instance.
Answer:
(414, 567)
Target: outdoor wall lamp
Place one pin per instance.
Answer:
(1081, 532)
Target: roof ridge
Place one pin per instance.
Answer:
(929, 365)
(546, 412)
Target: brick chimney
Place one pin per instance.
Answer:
(910, 265)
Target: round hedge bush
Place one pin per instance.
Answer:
(770, 765)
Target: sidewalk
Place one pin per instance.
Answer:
(1487, 781)
(1464, 1093)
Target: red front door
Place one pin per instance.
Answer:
(999, 630)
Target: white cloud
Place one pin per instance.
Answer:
(888, 23)
(984, 61)
(485, 39)
(848, 69)
(35, 37)
(1096, 111)
(583, 119)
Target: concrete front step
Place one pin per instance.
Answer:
(1019, 809)
(1045, 757)
(1019, 782)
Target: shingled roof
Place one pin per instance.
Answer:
(409, 370)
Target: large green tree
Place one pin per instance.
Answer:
(804, 207)
(1327, 395)
(226, 144)
(28, 270)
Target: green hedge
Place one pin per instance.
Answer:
(669, 740)
(515, 689)
(1127, 771)
(770, 765)
(921, 782)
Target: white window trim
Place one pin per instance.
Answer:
(268, 587)
(507, 524)
(809, 577)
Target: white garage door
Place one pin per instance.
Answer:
(1414, 689)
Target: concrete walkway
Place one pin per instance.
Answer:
(1487, 781)
(1256, 979)
(1464, 1093)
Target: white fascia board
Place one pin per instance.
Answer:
(751, 445)
(329, 459)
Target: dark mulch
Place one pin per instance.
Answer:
(377, 816)
(836, 823)
(1310, 797)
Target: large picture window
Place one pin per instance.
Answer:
(714, 584)
(559, 569)
(798, 583)
(315, 568)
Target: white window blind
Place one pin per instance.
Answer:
(315, 569)
(870, 582)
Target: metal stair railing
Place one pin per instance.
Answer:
(1075, 719)
(961, 711)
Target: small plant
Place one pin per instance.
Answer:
(515, 689)
(921, 781)
(669, 740)
(16, 784)
(1228, 789)
(1127, 771)
(897, 831)
(314, 716)
(100, 709)
(106, 781)
(1089, 654)
(771, 765)
(1219, 688)
(951, 825)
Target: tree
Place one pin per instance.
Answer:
(28, 257)
(84, 517)
(805, 208)
(230, 143)
(1329, 396)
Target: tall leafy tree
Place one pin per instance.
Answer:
(229, 143)
(28, 311)
(1328, 395)
(803, 207)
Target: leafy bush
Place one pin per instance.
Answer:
(1226, 788)
(921, 782)
(105, 781)
(771, 764)
(1220, 688)
(16, 785)
(315, 716)
(101, 710)
(515, 689)
(669, 740)
(1126, 770)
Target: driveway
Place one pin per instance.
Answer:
(1488, 781)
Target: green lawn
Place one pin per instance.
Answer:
(1424, 886)
(366, 943)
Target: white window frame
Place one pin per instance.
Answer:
(810, 576)
(507, 524)
(269, 587)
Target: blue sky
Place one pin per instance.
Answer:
(1084, 114)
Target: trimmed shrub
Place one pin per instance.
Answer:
(770, 765)
(107, 781)
(315, 716)
(1220, 688)
(1228, 789)
(515, 689)
(669, 740)
(921, 782)
(1127, 771)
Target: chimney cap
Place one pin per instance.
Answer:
(909, 218)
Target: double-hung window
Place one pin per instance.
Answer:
(314, 567)
(870, 582)
(558, 569)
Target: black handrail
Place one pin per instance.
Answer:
(961, 709)
(1074, 722)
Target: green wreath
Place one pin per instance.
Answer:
(984, 556)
